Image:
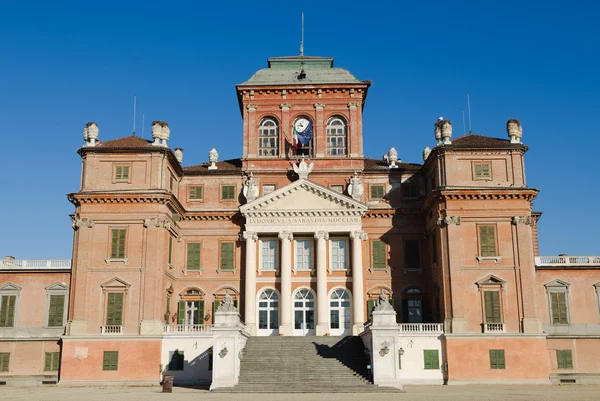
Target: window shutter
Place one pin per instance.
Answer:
(431, 359)
(487, 240)
(559, 307)
(193, 256)
(568, 359)
(493, 362)
(7, 311)
(114, 244)
(110, 360)
(492, 307)
(370, 307)
(51, 361)
(118, 173)
(181, 313)
(500, 359)
(201, 312)
(227, 256)
(215, 307)
(56, 312)
(121, 253)
(118, 243)
(170, 248)
(560, 358)
(4, 361)
(435, 360)
(379, 255)
(114, 309)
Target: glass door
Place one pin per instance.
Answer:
(339, 313)
(268, 313)
(304, 313)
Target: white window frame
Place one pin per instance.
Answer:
(264, 192)
(57, 289)
(262, 128)
(331, 135)
(558, 286)
(260, 254)
(347, 254)
(9, 289)
(312, 255)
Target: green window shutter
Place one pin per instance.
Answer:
(215, 307)
(431, 359)
(7, 310)
(487, 240)
(114, 309)
(57, 310)
(4, 361)
(171, 183)
(492, 307)
(51, 361)
(181, 313)
(376, 191)
(196, 193)
(125, 172)
(118, 173)
(370, 307)
(193, 256)
(497, 360)
(228, 192)
(118, 243)
(170, 248)
(110, 360)
(559, 307)
(564, 358)
(201, 312)
(379, 255)
(227, 256)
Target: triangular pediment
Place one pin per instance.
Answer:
(57, 287)
(304, 196)
(10, 287)
(115, 283)
(490, 280)
(557, 283)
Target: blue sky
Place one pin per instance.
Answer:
(63, 64)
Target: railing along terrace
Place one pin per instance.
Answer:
(188, 328)
(494, 328)
(112, 329)
(421, 327)
(567, 261)
(35, 264)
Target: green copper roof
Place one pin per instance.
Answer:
(286, 71)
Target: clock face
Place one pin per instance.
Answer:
(301, 124)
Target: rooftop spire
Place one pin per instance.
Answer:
(302, 39)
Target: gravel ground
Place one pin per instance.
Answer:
(413, 393)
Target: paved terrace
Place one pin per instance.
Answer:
(413, 393)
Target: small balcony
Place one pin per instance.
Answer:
(110, 330)
(428, 328)
(494, 328)
(187, 328)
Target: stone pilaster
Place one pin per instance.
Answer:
(250, 286)
(358, 302)
(285, 327)
(322, 299)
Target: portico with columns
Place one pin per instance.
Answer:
(316, 237)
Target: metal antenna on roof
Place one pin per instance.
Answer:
(469, 108)
(134, 104)
(464, 126)
(302, 39)
(143, 125)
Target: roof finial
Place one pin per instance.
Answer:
(302, 39)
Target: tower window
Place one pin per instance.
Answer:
(336, 137)
(268, 137)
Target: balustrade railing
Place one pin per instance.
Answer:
(567, 261)
(494, 328)
(188, 328)
(421, 327)
(112, 330)
(35, 264)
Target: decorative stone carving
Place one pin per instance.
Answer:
(285, 106)
(166, 224)
(250, 189)
(319, 93)
(514, 130)
(250, 235)
(179, 154)
(426, 153)
(151, 222)
(356, 188)
(160, 133)
(227, 304)
(392, 157)
(353, 105)
(359, 234)
(516, 220)
(319, 106)
(213, 158)
(437, 130)
(303, 169)
(445, 221)
(284, 94)
(383, 303)
(446, 126)
(286, 235)
(322, 235)
(90, 134)
(251, 107)
(77, 221)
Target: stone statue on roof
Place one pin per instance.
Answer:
(227, 304)
(303, 169)
(355, 188)
(383, 303)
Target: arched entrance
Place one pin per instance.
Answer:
(268, 313)
(304, 313)
(339, 313)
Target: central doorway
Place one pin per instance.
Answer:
(339, 313)
(268, 313)
(304, 313)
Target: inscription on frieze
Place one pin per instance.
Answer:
(303, 220)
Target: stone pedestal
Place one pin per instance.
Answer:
(229, 340)
(76, 328)
(384, 349)
(151, 328)
(532, 325)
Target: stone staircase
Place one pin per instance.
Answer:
(304, 365)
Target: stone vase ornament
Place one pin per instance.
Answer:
(514, 130)
(446, 126)
(160, 133)
(213, 158)
(426, 153)
(90, 134)
(437, 131)
(392, 158)
(179, 154)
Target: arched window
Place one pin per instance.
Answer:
(268, 137)
(336, 137)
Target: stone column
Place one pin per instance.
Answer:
(319, 140)
(322, 301)
(358, 294)
(285, 327)
(250, 287)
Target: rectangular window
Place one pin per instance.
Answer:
(228, 192)
(110, 360)
(303, 254)
(56, 311)
(559, 308)
(412, 256)
(497, 359)
(170, 249)
(193, 256)
(338, 188)
(7, 310)
(482, 171)
(121, 173)
(492, 307)
(227, 255)
(51, 361)
(195, 193)
(409, 190)
(377, 191)
(378, 248)
(564, 359)
(338, 254)
(114, 309)
(171, 183)
(4, 361)
(487, 241)
(117, 248)
(431, 359)
(176, 360)
(269, 254)
(268, 188)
